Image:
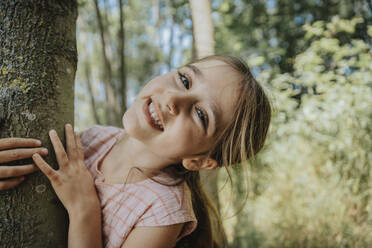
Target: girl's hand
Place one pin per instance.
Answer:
(11, 176)
(73, 182)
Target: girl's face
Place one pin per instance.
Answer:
(179, 114)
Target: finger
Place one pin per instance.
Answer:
(10, 183)
(61, 155)
(16, 154)
(79, 146)
(71, 143)
(48, 171)
(16, 171)
(8, 143)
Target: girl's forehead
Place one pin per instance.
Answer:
(211, 64)
(217, 70)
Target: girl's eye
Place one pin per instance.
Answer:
(184, 80)
(202, 117)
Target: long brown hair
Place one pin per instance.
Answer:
(239, 141)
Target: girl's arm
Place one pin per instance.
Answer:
(12, 149)
(85, 227)
(154, 237)
(74, 186)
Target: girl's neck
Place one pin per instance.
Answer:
(128, 153)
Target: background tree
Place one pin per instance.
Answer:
(202, 28)
(37, 69)
(112, 107)
(122, 67)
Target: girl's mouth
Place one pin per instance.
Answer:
(151, 116)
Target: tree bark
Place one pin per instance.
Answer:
(38, 62)
(202, 27)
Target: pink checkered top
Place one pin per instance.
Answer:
(144, 203)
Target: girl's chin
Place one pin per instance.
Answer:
(133, 127)
(129, 124)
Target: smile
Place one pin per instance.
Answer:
(151, 115)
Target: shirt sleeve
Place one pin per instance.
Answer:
(93, 138)
(168, 210)
(88, 135)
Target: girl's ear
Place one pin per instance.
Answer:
(199, 162)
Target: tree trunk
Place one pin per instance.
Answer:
(112, 108)
(38, 61)
(202, 27)
(91, 94)
(172, 11)
(121, 50)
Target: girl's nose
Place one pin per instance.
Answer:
(175, 102)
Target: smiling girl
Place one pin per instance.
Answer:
(140, 185)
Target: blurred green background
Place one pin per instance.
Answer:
(311, 185)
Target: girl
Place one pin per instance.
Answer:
(207, 114)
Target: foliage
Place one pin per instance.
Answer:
(272, 28)
(315, 186)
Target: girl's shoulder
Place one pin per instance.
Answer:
(97, 139)
(99, 134)
(162, 189)
(170, 204)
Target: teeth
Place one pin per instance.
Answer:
(154, 116)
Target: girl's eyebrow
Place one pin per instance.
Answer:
(196, 70)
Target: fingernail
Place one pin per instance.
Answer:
(44, 150)
(52, 132)
(38, 142)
